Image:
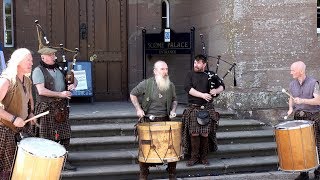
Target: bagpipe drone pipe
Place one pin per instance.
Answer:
(213, 75)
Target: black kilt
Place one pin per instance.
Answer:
(315, 117)
(191, 126)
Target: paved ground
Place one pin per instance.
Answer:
(276, 175)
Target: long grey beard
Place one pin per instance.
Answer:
(163, 83)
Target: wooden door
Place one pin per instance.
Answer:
(98, 28)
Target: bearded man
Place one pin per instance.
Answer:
(159, 102)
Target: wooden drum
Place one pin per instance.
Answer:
(38, 158)
(296, 145)
(160, 142)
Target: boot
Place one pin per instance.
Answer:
(303, 176)
(317, 174)
(68, 166)
(195, 143)
(144, 171)
(172, 170)
(204, 145)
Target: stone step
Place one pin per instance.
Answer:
(129, 156)
(127, 129)
(122, 142)
(85, 119)
(216, 167)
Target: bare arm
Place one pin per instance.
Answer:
(135, 102)
(214, 92)
(314, 101)
(290, 106)
(46, 92)
(205, 96)
(174, 106)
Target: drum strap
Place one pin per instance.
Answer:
(9, 125)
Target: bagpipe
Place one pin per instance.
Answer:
(213, 75)
(63, 63)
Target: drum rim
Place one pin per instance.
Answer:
(26, 149)
(308, 123)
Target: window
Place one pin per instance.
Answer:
(318, 16)
(8, 23)
(165, 14)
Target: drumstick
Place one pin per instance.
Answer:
(37, 116)
(284, 91)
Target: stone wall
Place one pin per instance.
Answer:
(264, 38)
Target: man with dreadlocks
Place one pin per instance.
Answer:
(51, 95)
(197, 133)
(16, 106)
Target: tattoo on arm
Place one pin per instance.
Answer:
(136, 104)
(174, 105)
(316, 89)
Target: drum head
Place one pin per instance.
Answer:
(294, 124)
(42, 147)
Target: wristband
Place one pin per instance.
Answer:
(13, 119)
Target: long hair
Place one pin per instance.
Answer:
(12, 68)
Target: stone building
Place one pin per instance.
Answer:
(263, 37)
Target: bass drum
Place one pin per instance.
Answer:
(159, 142)
(38, 159)
(296, 146)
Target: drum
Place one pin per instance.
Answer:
(160, 142)
(38, 158)
(296, 145)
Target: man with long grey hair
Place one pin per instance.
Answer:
(16, 105)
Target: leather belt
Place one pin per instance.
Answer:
(157, 118)
(203, 106)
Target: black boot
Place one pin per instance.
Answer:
(204, 146)
(68, 166)
(144, 171)
(195, 143)
(303, 176)
(172, 170)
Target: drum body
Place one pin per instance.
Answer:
(38, 158)
(159, 142)
(296, 145)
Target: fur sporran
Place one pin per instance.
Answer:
(203, 117)
(61, 114)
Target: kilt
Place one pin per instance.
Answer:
(7, 148)
(311, 116)
(8, 145)
(49, 127)
(191, 126)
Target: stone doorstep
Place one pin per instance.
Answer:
(131, 139)
(132, 153)
(216, 166)
(130, 126)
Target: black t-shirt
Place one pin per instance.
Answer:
(199, 81)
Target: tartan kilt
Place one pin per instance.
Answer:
(315, 117)
(191, 126)
(48, 124)
(7, 148)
